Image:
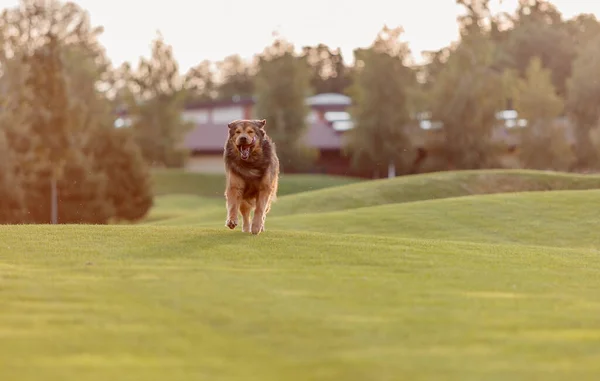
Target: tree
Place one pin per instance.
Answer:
(380, 104)
(535, 97)
(53, 107)
(52, 122)
(282, 84)
(539, 31)
(200, 83)
(155, 101)
(52, 165)
(583, 99)
(543, 141)
(468, 93)
(12, 197)
(329, 73)
(129, 187)
(237, 78)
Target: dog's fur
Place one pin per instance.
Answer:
(252, 176)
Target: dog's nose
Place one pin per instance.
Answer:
(244, 140)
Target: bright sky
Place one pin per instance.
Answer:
(213, 29)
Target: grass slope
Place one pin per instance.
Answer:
(171, 181)
(388, 191)
(431, 186)
(157, 303)
(558, 218)
(459, 287)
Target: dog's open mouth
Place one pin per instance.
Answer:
(245, 150)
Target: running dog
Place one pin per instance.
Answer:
(252, 174)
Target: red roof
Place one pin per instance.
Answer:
(211, 137)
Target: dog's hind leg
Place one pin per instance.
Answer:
(245, 209)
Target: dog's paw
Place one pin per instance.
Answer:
(246, 228)
(257, 228)
(231, 224)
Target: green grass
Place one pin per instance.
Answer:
(403, 189)
(423, 284)
(168, 182)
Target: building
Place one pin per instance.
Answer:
(327, 121)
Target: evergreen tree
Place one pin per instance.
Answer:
(12, 197)
(52, 79)
(129, 187)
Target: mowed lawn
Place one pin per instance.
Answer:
(471, 286)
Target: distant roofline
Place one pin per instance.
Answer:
(323, 101)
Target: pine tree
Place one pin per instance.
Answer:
(12, 197)
(52, 79)
(129, 187)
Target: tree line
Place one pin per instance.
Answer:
(533, 61)
(64, 160)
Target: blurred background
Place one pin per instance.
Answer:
(95, 96)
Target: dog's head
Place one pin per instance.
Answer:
(246, 135)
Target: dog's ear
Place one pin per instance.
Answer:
(261, 124)
(231, 127)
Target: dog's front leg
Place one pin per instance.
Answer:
(258, 220)
(234, 196)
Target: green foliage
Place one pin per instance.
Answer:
(544, 143)
(582, 102)
(12, 196)
(329, 73)
(381, 104)
(52, 112)
(200, 83)
(156, 96)
(467, 94)
(539, 31)
(51, 123)
(129, 183)
(282, 84)
(237, 78)
(535, 97)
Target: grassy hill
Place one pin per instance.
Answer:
(168, 182)
(431, 278)
(341, 197)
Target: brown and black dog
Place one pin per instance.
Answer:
(252, 174)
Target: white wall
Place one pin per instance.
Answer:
(227, 114)
(196, 116)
